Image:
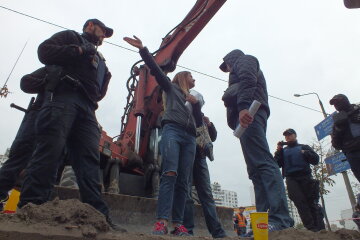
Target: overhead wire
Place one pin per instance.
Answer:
(117, 45)
(59, 26)
(223, 80)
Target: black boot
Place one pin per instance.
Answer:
(115, 226)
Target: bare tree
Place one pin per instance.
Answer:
(320, 173)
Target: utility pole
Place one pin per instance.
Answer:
(349, 190)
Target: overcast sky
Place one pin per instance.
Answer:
(302, 46)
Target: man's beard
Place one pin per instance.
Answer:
(91, 37)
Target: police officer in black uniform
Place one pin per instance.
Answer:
(24, 143)
(303, 190)
(67, 116)
(346, 131)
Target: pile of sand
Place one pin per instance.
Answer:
(58, 217)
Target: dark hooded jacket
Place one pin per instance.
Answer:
(346, 129)
(35, 82)
(250, 84)
(41, 80)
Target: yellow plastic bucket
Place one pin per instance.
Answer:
(259, 224)
(11, 204)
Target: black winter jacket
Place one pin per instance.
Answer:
(247, 75)
(309, 155)
(34, 82)
(63, 49)
(342, 137)
(31, 83)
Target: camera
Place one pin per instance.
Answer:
(282, 143)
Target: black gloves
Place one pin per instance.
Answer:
(88, 49)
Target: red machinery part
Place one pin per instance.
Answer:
(147, 97)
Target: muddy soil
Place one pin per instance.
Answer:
(73, 220)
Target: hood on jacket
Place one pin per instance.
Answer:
(231, 58)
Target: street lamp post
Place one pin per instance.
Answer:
(345, 175)
(320, 102)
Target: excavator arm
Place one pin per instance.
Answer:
(144, 100)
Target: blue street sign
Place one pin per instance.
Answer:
(324, 128)
(336, 163)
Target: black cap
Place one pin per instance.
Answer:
(108, 31)
(338, 97)
(289, 131)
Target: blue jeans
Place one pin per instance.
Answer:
(201, 179)
(178, 153)
(354, 160)
(264, 173)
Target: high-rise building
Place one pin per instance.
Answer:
(346, 216)
(224, 197)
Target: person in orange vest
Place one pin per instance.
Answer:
(241, 222)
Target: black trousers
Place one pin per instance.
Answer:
(66, 119)
(304, 192)
(354, 160)
(20, 153)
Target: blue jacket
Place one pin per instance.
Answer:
(250, 83)
(294, 162)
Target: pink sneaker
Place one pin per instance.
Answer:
(180, 230)
(160, 229)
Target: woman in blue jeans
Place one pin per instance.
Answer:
(177, 143)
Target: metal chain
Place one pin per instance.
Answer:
(130, 85)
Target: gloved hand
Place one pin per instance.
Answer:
(88, 49)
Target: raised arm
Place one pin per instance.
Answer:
(149, 60)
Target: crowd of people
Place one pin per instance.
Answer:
(62, 120)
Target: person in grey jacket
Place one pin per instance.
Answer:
(177, 145)
(246, 84)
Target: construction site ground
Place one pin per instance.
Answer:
(72, 220)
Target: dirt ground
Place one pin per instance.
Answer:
(73, 220)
